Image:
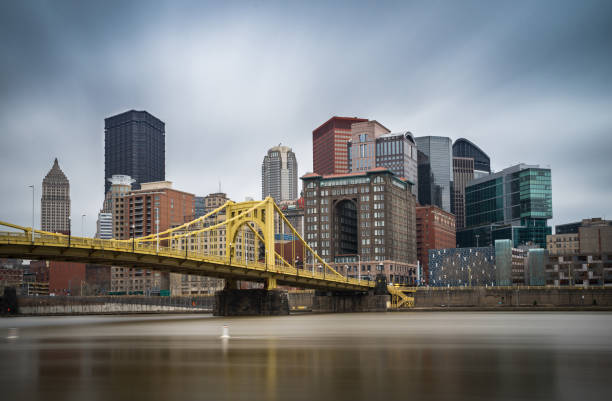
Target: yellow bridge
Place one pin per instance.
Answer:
(235, 242)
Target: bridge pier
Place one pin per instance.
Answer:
(343, 302)
(254, 302)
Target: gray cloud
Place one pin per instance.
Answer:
(527, 81)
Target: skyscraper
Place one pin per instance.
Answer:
(514, 203)
(482, 163)
(134, 145)
(463, 173)
(469, 162)
(55, 201)
(329, 145)
(279, 174)
(435, 188)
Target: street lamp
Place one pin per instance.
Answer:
(477, 236)
(83, 225)
(32, 186)
(157, 227)
(133, 239)
(69, 230)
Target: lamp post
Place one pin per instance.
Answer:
(69, 230)
(157, 227)
(359, 268)
(83, 216)
(477, 236)
(32, 186)
(133, 239)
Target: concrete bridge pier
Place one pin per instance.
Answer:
(344, 302)
(254, 302)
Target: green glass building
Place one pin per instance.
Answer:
(514, 204)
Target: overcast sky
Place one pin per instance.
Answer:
(526, 81)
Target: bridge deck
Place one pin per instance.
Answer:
(149, 256)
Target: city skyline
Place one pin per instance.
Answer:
(522, 87)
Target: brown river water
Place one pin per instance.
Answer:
(373, 356)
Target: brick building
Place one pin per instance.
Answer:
(329, 145)
(362, 220)
(435, 229)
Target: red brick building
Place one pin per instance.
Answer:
(66, 278)
(155, 199)
(435, 230)
(329, 145)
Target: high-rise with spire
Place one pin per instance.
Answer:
(55, 201)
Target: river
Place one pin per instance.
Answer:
(373, 356)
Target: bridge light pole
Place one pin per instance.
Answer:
(133, 237)
(83, 216)
(69, 230)
(157, 227)
(32, 232)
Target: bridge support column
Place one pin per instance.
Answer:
(255, 302)
(343, 302)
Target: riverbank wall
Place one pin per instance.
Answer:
(489, 297)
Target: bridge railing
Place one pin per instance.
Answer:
(60, 240)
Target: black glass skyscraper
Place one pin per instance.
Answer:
(134, 145)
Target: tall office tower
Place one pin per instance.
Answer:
(362, 223)
(329, 145)
(279, 174)
(438, 167)
(55, 201)
(469, 162)
(463, 173)
(134, 145)
(397, 151)
(514, 203)
(482, 163)
(361, 148)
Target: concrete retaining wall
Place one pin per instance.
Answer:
(489, 297)
(343, 302)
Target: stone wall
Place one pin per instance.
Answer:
(490, 297)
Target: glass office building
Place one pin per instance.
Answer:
(464, 148)
(514, 203)
(435, 164)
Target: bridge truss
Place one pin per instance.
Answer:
(251, 241)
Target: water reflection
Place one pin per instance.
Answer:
(312, 361)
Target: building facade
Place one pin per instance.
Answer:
(279, 174)
(435, 229)
(134, 145)
(214, 201)
(154, 208)
(120, 186)
(329, 145)
(514, 203)
(55, 201)
(462, 267)
(482, 163)
(362, 220)
(463, 173)
(361, 148)
(104, 226)
(397, 151)
(436, 161)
